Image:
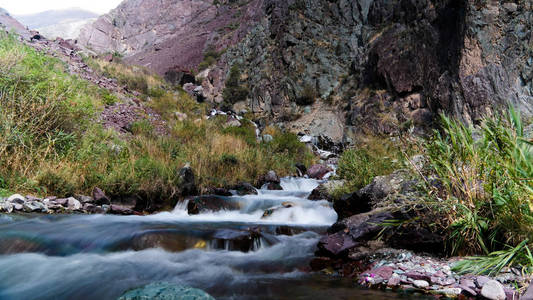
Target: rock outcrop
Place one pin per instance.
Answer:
(338, 68)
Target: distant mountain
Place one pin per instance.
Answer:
(9, 23)
(63, 23)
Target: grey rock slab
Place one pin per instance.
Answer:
(493, 290)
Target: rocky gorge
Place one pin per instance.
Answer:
(266, 149)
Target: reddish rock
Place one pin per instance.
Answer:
(318, 171)
(100, 197)
(384, 272)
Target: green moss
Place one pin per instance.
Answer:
(234, 91)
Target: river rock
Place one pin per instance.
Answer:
(235, 240)
(73, 204)
(121, 210)
(421, 284)
(222, 192)
(272, 186)
(165, 291)
(84, 199)
(302, 170)
(100, 197)
(352, 204)
(272, 177)
(6, 207)
(17, 206)
(318, 171)
(16, 198)
(187, 181)
(202, 204)
(244, 188)
(324, 191)
(493, 290)
(267, 138)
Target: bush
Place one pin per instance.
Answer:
(233, 91)
(358, 166)
(485, 184)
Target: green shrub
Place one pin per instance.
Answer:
(234, 91)
(485, 186)
(56, 183)
(358, 166)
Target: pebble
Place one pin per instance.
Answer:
(420, 284)
(493, 290)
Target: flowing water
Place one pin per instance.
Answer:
(235, 254)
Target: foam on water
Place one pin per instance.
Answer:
(252, 207)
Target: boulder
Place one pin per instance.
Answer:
(272, 177)
(16, 198)
(121, 210)
(352, 204)
(84, 199)
(73, 204)
(202, 204)
(244, 188)
(302, 170)
(324, 191)
(232, 122)
(272, 186)
(493, 290)
(235, 240)
(318, 171)
(165, 291)
(100, 197)
(187, 181)
(6, 207)
(222, 192)
(383, 186)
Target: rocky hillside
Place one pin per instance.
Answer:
(337, 67)
(11, 24)
(65, 23)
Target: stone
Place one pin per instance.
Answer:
(180, 116)
(232, 122)
(61, 201)
(84, 199)
(267, 138)
(16, 198)
(73, 204)
(481, 280)
(165, 291)
(121, 210)
(318, 171)
(394, 280)
(272, 186)
(32, 206)
(244, 188)
(222, 192)
(271, 176)
(187, 181)
(6, 207)
(301, 169)
(17, 206)
(493, 290)
(100, 197)
(421, 284)
(449, 292)
(384, 272)
(210, 203)
(352, 204)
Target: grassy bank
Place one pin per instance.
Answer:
(52, 144)
(485, 190)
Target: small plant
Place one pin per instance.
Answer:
(234, 91)
(142, 127)
(358, 166)
(308, 95)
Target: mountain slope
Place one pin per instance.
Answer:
(337, 68)
(65, 23)
(10, 23)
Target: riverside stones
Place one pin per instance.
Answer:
(493, 290)
(318, 171)
(16, 198)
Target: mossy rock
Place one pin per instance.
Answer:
(165, 291)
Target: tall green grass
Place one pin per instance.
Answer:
(484, 188)
(52, 144)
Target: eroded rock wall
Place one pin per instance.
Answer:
(340, 67)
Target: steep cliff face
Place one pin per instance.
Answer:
(340, 67)
(170, 34)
